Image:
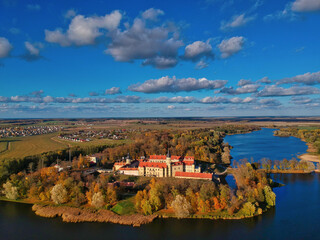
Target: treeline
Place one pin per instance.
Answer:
(47, 185)
(284, 164)
(204, 144)
(187, 198)
(29, 163)
(309, 135)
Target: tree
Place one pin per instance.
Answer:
(10, 191)
(248, 209)
(181, 206)
(270, 196)
(97, 200)
(226, 157)
(59, 194)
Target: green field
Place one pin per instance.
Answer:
(20, 147)
(125, 207)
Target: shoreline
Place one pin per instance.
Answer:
(76, 215)
(311, 155)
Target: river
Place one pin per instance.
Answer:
(295, 216)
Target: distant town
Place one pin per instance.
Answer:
(28, 131)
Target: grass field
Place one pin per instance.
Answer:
(125, 207)
(20, 147)
(3, 146)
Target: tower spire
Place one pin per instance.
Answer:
(168, 154)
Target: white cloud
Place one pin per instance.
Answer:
(202, 64)
(161, 62)
(84, 30)
(152, 14)
(243, 82)
(157, 46)
(5, 47)
(307, 78)
(306, 5)
(274, 90)
(113, 90)
(32, 51)
(247, 88)
(167, 84)
(231, 46)
(197, 50)
(236, 21)
(264, 80)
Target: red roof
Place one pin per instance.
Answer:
(152, 164)
(194, 175)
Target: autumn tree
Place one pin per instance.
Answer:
(97, 200)
(181, 206)
(10, 191)
(59, 194)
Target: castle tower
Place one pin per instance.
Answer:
(168, 161)
(128, 160)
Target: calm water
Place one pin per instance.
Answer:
(260, 144)
(296, 215)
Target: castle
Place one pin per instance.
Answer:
(162, 166)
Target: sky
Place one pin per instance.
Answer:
(152, 58)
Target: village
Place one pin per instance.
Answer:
(88, 135)
(28, 131)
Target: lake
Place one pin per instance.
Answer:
(262, 144)
(296, 215)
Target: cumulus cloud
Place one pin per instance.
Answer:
(236, 21)
(167, 84)
(152, 14)
(178, 99)
(84, 30)
(247, 88)
(307, 78)
(50, 99)
(243, 82)
(112, 91)
(269, 102)
(198, 49)
(300, 100)
(32, 51)
(265, 80)
(5, 47)
(306, 5)
(157, 46)
(274, 90)
(231, 46)
(224, 100)
(161, 62)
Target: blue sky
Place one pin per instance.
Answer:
(159, 58)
